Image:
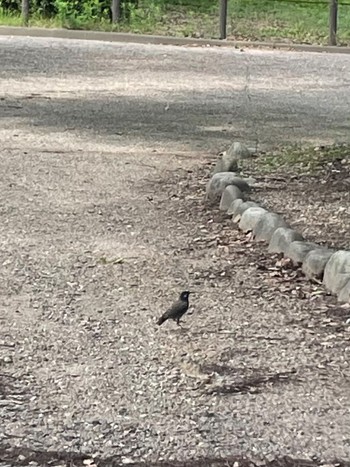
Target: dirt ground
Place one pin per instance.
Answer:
(101, 229)
(310, 188)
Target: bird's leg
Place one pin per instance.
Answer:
(178, 322)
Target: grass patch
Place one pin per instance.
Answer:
(10, 19)
(302, 22)
(302, 160)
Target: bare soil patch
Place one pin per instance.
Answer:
(311, 188)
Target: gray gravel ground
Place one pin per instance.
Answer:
(104, 157)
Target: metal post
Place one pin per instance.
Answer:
(333, 19)
(116, 10)
(223, 18)
(25, 12)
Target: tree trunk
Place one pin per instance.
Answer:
(116, 10)
(120, 9)
(333, 17)
(25, 12)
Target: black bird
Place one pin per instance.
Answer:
(177, 311)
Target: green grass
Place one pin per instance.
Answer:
(14, 19)
(279, 20)
(275, 19)
(309, 160)
(7, 19)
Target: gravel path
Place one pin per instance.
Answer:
(105, 151)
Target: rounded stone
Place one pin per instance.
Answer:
(250, 218)
(267, 225)
(297, 251)
(337, 271)
(230, 194)
(282, 238)
(344, 293)
(315, 262)
(226, 163)
(220, 181)
(234, 206)
(243, 207)
(238, 151)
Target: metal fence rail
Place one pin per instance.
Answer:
(220, 18)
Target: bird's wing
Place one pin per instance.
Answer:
(169, 313)
(177, 309)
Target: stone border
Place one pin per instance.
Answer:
(165, 40)
(317, 262)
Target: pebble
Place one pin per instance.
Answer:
(7, 359)
(127, 460)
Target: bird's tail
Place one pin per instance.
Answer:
(161, 320)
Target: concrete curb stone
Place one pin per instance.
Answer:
(221, 180)
(344, 293)
(337, 271)
(229, 160)
(243, 207)
(234, 206)
(282, 238)
(317, 261)
(164, 40)
(231, 193)
(267, 226)
(298, 250)
(250, 218)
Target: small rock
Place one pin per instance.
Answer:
(250, 218)
(220, 181)
(234, 206)
(315, 262)
(7, 359)
(225, 164)
(298, 250)
(344, 294)
(282, 238)
(243, 207)
(238, 151)
(230, 194)
(228, 161)
(127, 460)
(7, 344)
(267, 225)
(337, 271)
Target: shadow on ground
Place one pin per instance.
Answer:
(22, 456)
(177, 117)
